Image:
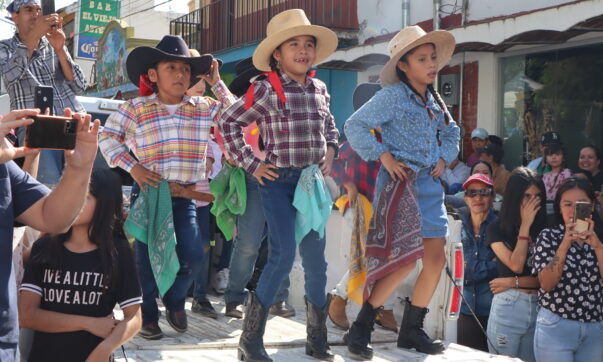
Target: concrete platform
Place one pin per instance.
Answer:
(216, 340)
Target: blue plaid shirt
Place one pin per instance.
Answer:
(21, 75)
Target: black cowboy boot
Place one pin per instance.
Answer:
(316, 330)
(359, 335)
(251, 342)
(412, 334)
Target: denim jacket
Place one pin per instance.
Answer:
(407, 130)
(480, 268)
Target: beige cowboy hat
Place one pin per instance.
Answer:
(410, 38)
(289, 24)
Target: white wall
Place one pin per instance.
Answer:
(481, 9)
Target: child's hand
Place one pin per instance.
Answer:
(143, 176)
(395, 168)
(214, 74)
(439, 168)
(327, 162)
(352, 192)
(265, 170)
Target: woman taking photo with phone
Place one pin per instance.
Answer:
(74, 280)
(569, 326)
(513, 312)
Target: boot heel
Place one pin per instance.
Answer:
(240, 355)
(309, 350)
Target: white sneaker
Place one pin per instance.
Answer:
(220, 281)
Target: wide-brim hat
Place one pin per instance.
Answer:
(410, 38)
(363, 93)
(289, 24)
(171, 47)
(245, 71)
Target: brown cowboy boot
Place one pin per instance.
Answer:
(386, 319)
(337, 312)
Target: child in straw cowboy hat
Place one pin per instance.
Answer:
(408, 193)
(298, 131)
(168, 132)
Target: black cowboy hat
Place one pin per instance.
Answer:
(363, 93)
(244, 71)
(171, 47)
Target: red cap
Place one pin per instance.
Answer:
(478, 177)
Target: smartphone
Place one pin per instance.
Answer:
(43, 99)
(51, 132)
(582, 211)
(48, 7)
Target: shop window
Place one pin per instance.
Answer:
(559, 90)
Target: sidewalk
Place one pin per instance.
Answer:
(216, 340)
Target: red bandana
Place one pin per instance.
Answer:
(145, 85)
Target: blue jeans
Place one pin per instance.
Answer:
(511, 324)
(277, 201)
(200, 291)
(564, 340)
(251, 229)
(190, 255)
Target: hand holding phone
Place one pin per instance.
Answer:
(582, 212)
(51, 132)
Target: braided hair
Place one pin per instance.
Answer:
(402, 76)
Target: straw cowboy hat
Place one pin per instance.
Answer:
(169, 48)
(289, 24)
(410, 38)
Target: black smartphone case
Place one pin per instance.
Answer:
(44, 98)
(51, 133)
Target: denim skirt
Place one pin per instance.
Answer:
(430, 196)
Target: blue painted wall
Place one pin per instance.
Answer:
(341, 83)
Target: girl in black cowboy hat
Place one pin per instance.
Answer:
(168, 133)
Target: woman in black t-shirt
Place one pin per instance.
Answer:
(513, 312)
(569, 266)
(73, 281)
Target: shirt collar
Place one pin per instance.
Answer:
(431, 103)
(154, 99)
(286, 80)
(43, 41)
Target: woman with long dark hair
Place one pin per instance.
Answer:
(513, 312)
(73, 281)
(569, 326)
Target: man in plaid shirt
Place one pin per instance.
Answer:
(36, 55)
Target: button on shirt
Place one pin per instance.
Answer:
(579, 294)
(172, 145)
(408, 131)
(21, 75)
(295, 133)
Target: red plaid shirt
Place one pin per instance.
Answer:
(350, 167)
(295, 133)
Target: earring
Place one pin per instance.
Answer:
(278, 64)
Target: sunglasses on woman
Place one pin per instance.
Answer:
(481, 192)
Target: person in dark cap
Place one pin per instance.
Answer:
(547, 139)
(494, 154)
(168, 131)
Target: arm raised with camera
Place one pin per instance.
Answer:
(56, 211)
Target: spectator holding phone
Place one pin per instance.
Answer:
(513, 312)
(73, 280)
(36, 55)
(569, 326)
(28, 202)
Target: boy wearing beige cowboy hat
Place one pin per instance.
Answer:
(168, 132)
(408, 193)
(298, 130)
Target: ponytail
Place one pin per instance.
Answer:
(440, 102)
